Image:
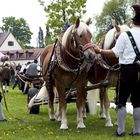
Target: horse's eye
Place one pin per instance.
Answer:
(80, 36)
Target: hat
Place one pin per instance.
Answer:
(136, 8)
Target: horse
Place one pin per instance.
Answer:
(105, 68)
(65, 67)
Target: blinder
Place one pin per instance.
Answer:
(73, 39)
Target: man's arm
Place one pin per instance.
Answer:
(107, 52)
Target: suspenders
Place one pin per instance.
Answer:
(137, 59)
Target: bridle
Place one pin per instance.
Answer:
(77, 45)
(80, 59)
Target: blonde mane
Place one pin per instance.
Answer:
(82, 28)
(111, 33)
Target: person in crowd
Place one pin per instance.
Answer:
(22, 71)
(6, 76)
(129, 77)
(33, 69)
(17, 80)
(3, 58)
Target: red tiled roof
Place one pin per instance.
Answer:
(24, 54)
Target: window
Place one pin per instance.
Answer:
(10, 43)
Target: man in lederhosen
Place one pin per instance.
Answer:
(129, 80)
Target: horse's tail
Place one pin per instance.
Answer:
(92, 98)
(39, 98)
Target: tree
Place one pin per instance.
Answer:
(59, 12)
(113, 11)
(19, 28)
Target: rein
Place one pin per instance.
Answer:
(106, 66)
(5, 103)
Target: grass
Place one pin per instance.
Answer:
(38, 127)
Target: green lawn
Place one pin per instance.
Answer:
(38, 127)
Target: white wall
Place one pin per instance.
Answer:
(5, 46)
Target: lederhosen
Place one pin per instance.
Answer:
(128, 85)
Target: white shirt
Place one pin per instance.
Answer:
(123, 47)
(22, 68)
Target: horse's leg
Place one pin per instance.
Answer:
(62, 106)
(51, 106)
(80, 102)
(102, 111)
(50, 101)
(106, 106)
(84, 112)
(58, 114)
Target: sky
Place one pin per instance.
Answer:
(34, 14)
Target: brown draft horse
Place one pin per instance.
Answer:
(65, 66)
(105, 69)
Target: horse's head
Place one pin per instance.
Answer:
(77, 40)
(112, 35)
(108, 41)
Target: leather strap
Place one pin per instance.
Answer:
(134, 46)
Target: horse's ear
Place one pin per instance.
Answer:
(88, 21)
(77, 23)
(117, 28)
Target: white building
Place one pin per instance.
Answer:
(10, 46)
(8, 42)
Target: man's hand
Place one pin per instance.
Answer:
(4, 58)
(97, 49)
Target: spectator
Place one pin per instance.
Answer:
(2, 58)
(6, 76)
(32, 69)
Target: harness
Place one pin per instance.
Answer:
(62, 62)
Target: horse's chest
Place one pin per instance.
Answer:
(60, 75)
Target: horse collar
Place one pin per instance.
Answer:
(69, 64)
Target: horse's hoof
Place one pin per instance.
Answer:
(81, 126)
(109, 124)
(64, 127)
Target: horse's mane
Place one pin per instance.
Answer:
(110, 35)
(83, 27)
